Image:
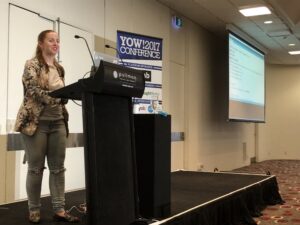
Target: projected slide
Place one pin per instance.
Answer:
(246, 81)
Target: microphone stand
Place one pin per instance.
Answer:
(108, 46)
(94, 66)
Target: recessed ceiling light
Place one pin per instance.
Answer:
(292, 44)
(255, 11)
(294, 52)
(268, 22)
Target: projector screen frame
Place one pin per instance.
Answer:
(230, 32)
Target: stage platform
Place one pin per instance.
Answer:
(201, 198)
(197, 198)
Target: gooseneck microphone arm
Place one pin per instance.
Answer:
(77, 37)
(108, 46)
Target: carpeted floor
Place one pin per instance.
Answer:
(288, 178)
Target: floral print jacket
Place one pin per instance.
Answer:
(36, 90)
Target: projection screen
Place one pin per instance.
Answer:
(246, 81)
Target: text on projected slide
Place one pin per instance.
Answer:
(246, 69)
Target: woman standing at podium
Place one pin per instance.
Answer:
(42, 121)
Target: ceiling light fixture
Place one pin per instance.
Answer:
(292, 44)
(255, 11)
(268, 22)
(294, 52)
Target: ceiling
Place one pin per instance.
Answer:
(216, 15)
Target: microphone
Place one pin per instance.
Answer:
(108, 46)
(94, 66)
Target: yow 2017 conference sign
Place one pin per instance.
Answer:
(144, 53)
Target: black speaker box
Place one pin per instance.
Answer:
(153, 157)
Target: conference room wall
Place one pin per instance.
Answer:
(211, 142)
(197, 101)
(278, 138)
(176, 91)
(6, 179)
(3, 63)
(51, 10)
(89, 15)
(192, 82)
(183, 50)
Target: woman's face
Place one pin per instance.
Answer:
(50, 45)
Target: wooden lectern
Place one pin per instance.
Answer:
(110, 170)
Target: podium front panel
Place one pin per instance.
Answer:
(109, 172)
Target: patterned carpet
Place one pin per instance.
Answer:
(288, 178)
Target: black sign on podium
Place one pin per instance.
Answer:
(110, 170)
(111, 79)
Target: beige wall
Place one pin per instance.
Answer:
(193, 75)
(211, 141)
(194, 85)
(7, 172)
(2, 167)
(279, 138)
(197, 103)
(100, 17)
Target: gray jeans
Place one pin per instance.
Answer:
(49, 142)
